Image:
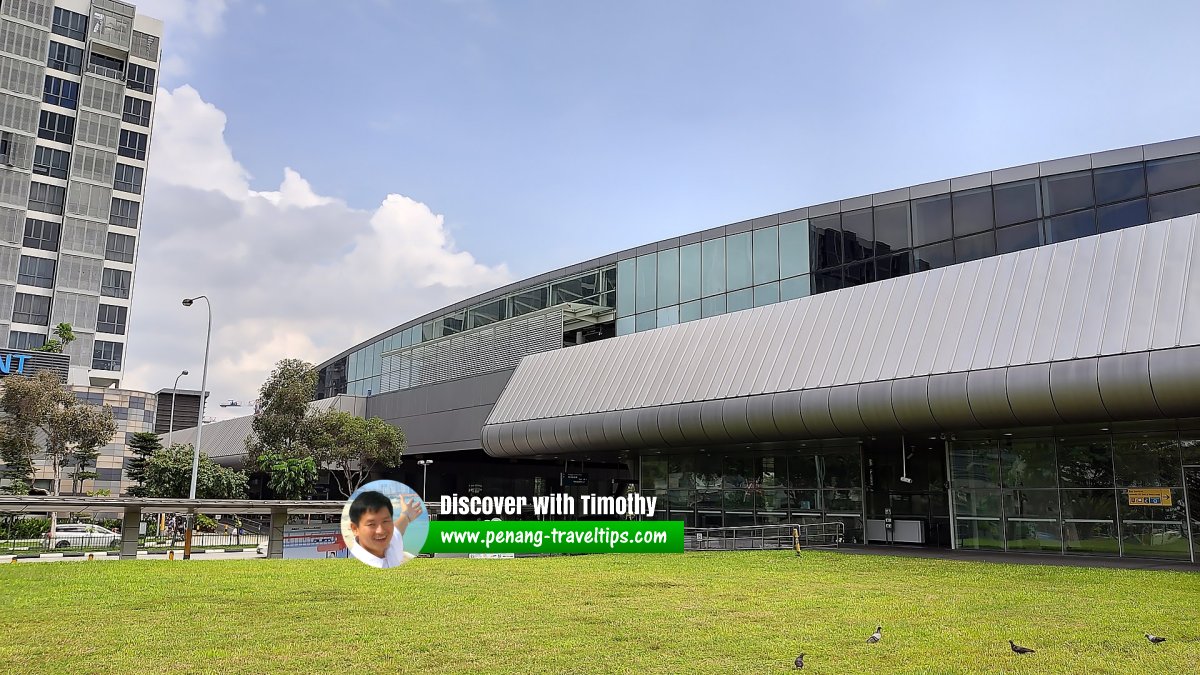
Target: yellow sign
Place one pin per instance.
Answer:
(1149, 497)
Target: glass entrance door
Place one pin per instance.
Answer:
(1191, 482)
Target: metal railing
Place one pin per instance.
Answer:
(764, 537)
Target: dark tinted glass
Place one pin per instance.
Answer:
(891, 266)
(1175, 204)
(1085, 462)
(1173, 173)
(1016, 202)
(931, 219)
(1118, 183)
(826, 240)
(1018, 237)
(1067, 192)
(827, 280)
(1120, 216)
(891, 228)
(858, 230)
(974, 247)
(972, 211)
(1071, 226)
(859, 273)
(931, 257)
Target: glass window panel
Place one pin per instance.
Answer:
(892, 266)
(794, 257)
(1173, 173)
(578, 289)
(1120, 216)
(1028, 463)
(974, 247)
(766, 255)
(826, 241)
(972, 211)
(796, 287)
(858, 235)
(1153, 531)
(739, 300)
(529, 301)
(1019, 237)
(654, 473)
(689, 273)
(454, 322)
(668, 277)
(1067, 192)
(644, 321)
(1071, 226)
(712, 305)
(1175, 204)
(804, 471)
(858, 274)
(1118, 183)
(931, 219)
(625, 325)
(1085, 461)
(842, 467)
(1147, 460)
(827, 280)
(626, 280)
(977, 521)
(689, 311)
(933, 257)
(739, 261)
(766, 294)
(713, 266)
(1089, 521)
(975, 464)
(1017, 202)
(1032, 521)
(668, 316)
(891, 228)
(647, 283)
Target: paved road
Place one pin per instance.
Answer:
(142, 555)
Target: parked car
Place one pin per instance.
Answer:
(80, 535)
(261, 549)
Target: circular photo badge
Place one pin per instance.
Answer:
(385, 523)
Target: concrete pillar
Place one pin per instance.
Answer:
(275, 538)
(129, 532)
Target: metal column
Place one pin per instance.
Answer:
(129, 532)
(275, 538)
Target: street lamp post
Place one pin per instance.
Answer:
(187, 302)
(174, 393)
(424, 464)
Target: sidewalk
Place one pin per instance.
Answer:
(1011, 558)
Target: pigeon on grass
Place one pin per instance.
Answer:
(876, 636)
(800, 661)
(1018, 649)
(1155, 640)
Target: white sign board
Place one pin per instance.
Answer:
(322, 540)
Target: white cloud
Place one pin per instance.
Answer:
(187, 24)
(290, 273)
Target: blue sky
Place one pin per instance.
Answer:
(438, 149)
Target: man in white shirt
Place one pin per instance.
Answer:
(377, 542)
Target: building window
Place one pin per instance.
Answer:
(132, 144)
(36, 272)
(106, 355)
(123, 213)
(128, 179)
(53, 126)
(140, 79)
(41, 234)
(31, 309)
(61, 92)
(116, 283)
(27, 341)
(51, 162)
(5, 146)
(111, 319)
(48, 198)
(70, 24)
(107, 66)
(65, 58)
(119, 248)
(137, 111)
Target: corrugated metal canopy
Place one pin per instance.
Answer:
(1101, 328)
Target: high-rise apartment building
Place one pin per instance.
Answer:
(77, 89)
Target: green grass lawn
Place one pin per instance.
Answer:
(696, 612)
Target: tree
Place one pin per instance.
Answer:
(65, 336)
(280, 442)
(168, 473)
(352, 446)
(142, 446)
